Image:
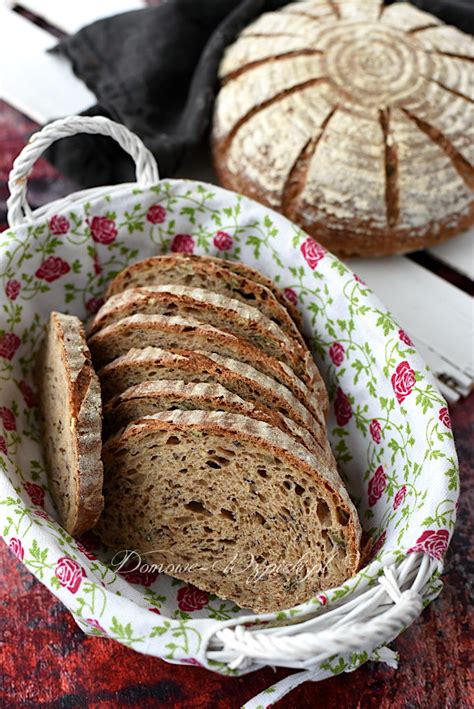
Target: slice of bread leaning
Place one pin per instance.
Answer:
(227, 314)
(153, 363)
(231, 505)
(170, 332)
(168, 395)
(144, 273)
(71, 420)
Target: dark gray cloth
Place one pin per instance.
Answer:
(155, 70)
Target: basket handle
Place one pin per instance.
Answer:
(17, 205)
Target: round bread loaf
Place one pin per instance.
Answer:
(354, 120)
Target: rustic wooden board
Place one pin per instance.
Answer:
(458, 253)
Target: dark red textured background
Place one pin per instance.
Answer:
(45, 660)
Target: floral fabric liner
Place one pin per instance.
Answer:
(389, 427)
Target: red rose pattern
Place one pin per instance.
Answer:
(58, 224)
(95, 624)
(93, 305)
(336, 353)
(156, 214)
(9, 343)
(30, 397)
(87, 553)
(191, 598)
(444, 417)
(378, 544)
(312, 252)
(404, 338)
(403, 381)
(7, 417)
(191, 661)
(143, 575)
(3, 445)
(17, 548)
(377, 485)
(223, 241)
(183, 244)
(291, 295)
(12, 289)
(97, 267)
(41, 513)
(433, 542)
(375, 430)
(69, 573)
(322, 598)
(342, 408)
(35, 493)
(399, 497)
(103, 230)
(155, 610)
(53, 268)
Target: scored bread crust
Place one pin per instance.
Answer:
(126, 278)
(209, 275)
(367, 162)
(231, 429)
(173, 332)
(65, 347)
(156, 396)
(225, 313)
(141, 365)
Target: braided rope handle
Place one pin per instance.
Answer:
(317, 647)
(365, 623)
(17, 205)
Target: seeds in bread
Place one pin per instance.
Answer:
(71, 419)
(234, 505)
(152, 363)
(174, 332)
(133, 276)
(209, 275)
(225, 313)
(154, 397)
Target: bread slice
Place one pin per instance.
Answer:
(227, 314)
(174, 332)
(152, 363)
(71, 419)
(143, 273)
(231, 505)
(168, 395)
(210, 275)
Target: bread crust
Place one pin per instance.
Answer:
(155, 328)
(225, 313)
(123, 279)
(84, 418)
(211, 275)
(368, 162)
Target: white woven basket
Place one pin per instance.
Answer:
(389, 426)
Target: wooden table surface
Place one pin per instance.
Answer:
(45, 660)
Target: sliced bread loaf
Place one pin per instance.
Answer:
(224, 313)
(210, 275)
(168, 395)
(174, 332)
(71, 419)
(143, 273)
(152, 363)
(231, 505)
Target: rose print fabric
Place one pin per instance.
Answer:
(389, 427)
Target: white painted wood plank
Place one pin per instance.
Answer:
(458, 253)
(38, 84)
(437, 315)
(71, 16)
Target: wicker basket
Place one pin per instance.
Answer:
(389, 426)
